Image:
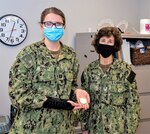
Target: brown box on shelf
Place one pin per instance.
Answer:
(140, 56)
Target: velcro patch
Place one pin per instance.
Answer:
(131, 77)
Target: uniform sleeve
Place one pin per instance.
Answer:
(75, 70)
(20, 83)
(84, 114)
(133, 105)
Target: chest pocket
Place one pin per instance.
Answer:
(94, 82)
(45, 75)
(115, 94)
(44, 81)
(63, 78)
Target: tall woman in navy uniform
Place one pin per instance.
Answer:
(112, 87)
(43, 82)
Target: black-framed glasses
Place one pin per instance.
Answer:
(50, 24)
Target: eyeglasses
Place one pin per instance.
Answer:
(50, 24)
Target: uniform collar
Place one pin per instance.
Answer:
(64, 54)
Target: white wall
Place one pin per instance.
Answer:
(144, 9)
(80, 14)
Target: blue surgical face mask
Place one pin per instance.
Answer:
(53, 34)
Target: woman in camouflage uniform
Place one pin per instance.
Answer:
(42, 82)
(112, 87)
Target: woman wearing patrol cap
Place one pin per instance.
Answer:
(112, 87)
(43, 82)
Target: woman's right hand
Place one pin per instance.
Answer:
(76, 105)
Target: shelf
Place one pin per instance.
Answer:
(135, 36)
(124, 36)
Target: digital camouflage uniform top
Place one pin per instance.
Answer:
(34, 75)
(114, 99)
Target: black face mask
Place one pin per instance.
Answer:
(105, 50)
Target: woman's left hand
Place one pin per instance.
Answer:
(83, 98)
